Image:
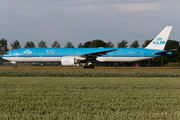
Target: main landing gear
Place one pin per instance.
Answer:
(88, 66)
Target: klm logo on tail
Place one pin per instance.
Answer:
(158, 38)
(159, 41)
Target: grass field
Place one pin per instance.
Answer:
(83, 98)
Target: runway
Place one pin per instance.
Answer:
(59, 68)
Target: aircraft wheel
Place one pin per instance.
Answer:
(91, 66)
(15, 66)
(85, 66)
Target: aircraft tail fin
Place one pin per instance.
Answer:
(159, 42)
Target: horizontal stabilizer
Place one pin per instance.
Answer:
(165, 51)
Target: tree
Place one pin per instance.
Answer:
(135, 44)
(69, 45)
(175, 57)
(42, 44)
(146, 43)
(15, 45)
(3, 46)
(109, 45)
(172, 44)
(97, 43)
(29, 45)
(55, 45)
(80, 45)
(87, 44)
(122, 44)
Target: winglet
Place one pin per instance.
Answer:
(160, 41)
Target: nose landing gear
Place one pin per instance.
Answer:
(15, 65)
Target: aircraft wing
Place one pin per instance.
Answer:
(96, 54)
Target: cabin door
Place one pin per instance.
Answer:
(110, 54)
(41, 53)
(79, 53)
(17, 53)
(141, 54)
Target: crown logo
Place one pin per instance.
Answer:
(27, 51)
(158, 38)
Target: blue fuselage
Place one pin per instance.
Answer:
(50, 54)
(62, 52)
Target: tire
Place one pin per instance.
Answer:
(86, 66)
(91, 66)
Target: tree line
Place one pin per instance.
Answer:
(171, 44)
(89, 44)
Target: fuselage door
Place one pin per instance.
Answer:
(141, 54)
(78, 52)
(41, 53)
(110, 54)
(17, 53)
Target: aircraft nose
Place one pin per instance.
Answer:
(2, 56)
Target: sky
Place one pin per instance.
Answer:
(85, 20)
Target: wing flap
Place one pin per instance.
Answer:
(96, 54)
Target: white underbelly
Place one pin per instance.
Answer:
(33, 59)
(121, 59)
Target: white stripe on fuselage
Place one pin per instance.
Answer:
(33, 59)
(58, 59)
(122, 59)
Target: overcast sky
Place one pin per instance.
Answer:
(85, 20)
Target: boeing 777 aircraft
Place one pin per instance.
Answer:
(72, 56)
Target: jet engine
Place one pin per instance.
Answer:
(68, 61)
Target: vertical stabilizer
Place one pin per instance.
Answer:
(160, 41)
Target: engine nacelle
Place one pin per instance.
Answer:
(68, 61)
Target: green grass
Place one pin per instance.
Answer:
(88, 98)
(172, 64)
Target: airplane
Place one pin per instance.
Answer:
(72, 56)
